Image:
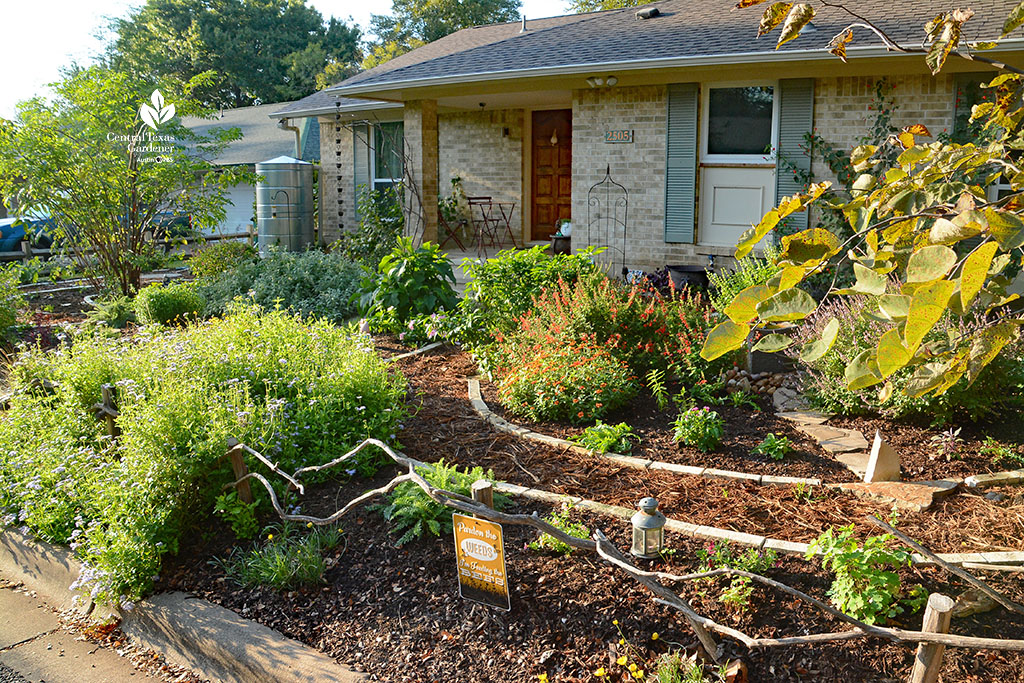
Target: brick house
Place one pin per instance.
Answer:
(680, 107)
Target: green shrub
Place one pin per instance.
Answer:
(603, 438)
(381, 223)
(239, 514)
(865, 585)
(673, 667)
(560, 520)
(311, 284)
(701, 428)
(574, 381)
(11, 301)
(411, 511)
(998, 388)
(220, 257)
(749, 271)
(176, 303)
(301, 393)
(1000, 453)
(501, 289)
(285, 560)
(409, 282)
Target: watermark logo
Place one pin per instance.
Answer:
(154, 115)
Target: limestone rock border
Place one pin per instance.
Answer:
(751, 540)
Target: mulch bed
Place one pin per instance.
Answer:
(395, 612)
(746, 428)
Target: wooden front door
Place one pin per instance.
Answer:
(551, 194)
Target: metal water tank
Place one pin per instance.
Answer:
(284, 204)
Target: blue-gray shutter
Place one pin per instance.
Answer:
(796, 119)
(361, 159)
(681, 162)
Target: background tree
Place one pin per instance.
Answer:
(259, 51)
(581, 6)
(90, 160)
(416, 22)
(931, 250)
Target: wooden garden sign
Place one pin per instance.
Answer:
(480, 557)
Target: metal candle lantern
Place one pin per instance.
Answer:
(648, 530)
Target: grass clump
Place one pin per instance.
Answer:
(176, 304)
(286, 559)
(560, 520)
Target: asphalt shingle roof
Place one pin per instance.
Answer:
(261, 138)
(686, 28)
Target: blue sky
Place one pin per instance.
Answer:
(38, 37)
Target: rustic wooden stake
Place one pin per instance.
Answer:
(483, 492)
(929, 656)
(235, 453)
(109, 410)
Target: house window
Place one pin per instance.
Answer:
(740, 121)
(388, 140)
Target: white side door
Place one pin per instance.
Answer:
(737, 162)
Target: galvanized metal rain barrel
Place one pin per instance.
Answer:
(284, 204)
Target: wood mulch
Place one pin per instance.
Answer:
(395, 612)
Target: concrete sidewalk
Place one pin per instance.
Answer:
(34, 646)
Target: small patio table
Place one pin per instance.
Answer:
(493, 216)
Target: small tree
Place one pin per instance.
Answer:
(910, 229)
(108, 161)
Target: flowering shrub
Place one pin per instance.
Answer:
(701, 428)
(573, 380)
(638, 326)
(312, 284)
(999, 386)
(300, 393)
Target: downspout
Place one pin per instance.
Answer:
(283, 125)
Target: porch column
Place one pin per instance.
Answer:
(421, 169)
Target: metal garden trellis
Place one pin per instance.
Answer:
(607, 211)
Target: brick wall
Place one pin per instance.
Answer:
(639, 166)
(337, 194)
(474, 146)
(842, 114)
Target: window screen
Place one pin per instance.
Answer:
(740, 120)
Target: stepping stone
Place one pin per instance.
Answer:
(917, 496)
(835, 439)
(855, 461)
(883, 463)
(788, 400)
(806, 417)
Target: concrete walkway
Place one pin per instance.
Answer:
(35, 647)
